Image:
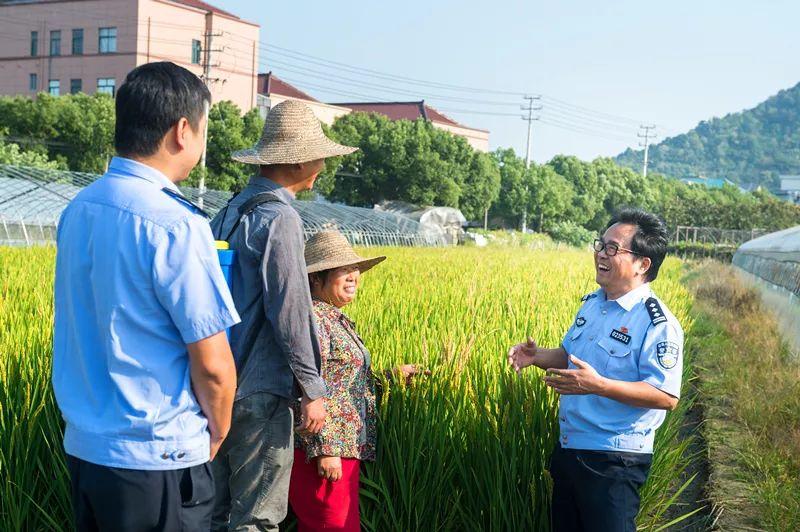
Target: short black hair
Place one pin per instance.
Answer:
(651, 237)
(153, 98)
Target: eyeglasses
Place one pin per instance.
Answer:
(611, 249)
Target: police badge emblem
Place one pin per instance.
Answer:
(668, 353)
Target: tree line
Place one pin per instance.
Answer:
(404, 160)
(754, 146)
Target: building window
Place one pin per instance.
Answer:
(33, 82)
(77, 42)
(106, 85)
(54, 87)
(34, 43)
(75, 86)
(108, 40)
(55, 42)
(196, 51)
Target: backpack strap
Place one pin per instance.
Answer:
(249, 206)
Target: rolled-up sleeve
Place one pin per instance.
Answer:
(188, 281)
(288, 305)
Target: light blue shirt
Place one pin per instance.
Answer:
(634, 338)
(137, 278)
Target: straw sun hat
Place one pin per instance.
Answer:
(292, 134)
(327, 250)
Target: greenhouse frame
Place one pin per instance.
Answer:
(32, 199)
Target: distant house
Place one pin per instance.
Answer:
(477, 138)
(272, 90)
(71, 46)
(709, 182)
(790, 188)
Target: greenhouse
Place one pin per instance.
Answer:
(773, 261)
(32, 199)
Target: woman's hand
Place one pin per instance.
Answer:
(329, 467)
(408, 371)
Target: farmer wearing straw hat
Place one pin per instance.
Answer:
(275, 346)
(325, 475)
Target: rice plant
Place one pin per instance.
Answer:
(465, 448)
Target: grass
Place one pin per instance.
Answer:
(465, 448)
(750, 387)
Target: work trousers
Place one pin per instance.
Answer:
(254, 465)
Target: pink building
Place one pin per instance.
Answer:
(69, 46)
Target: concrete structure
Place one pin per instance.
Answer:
(63, 46)
(273, 90)
(477, 138)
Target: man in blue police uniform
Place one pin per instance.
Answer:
(142, 370)
(618, 371)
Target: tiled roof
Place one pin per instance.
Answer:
(403, 111)
(269, 83)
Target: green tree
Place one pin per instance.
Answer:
(481, 187)
(228, 131)
(11, 153)
(399, 160)
(514, 200)
(77, 130)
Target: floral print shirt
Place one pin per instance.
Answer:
(349, 430)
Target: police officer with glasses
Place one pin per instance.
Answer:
(618, 370)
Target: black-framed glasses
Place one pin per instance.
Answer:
(611, 249)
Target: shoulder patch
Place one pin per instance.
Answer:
(185, 202)
(668, 353)
(655, 311)
(589, 296)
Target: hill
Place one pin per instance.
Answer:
(752, 146)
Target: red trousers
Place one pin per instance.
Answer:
(320, 504)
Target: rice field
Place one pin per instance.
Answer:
(463, 449)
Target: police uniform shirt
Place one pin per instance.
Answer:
(137, 279)
(634, 338)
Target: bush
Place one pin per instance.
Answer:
(572, 234)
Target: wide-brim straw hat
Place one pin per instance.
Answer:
(292, 134)
(328, 250)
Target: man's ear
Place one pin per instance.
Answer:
(644, 267)
(182, 131)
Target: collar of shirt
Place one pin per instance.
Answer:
(129, 168)
(634, 296)
(269, 185)
(333, 311)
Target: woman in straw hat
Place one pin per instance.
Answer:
(325, 476)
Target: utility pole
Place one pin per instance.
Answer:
(647, 136)
(208, 37)
(529, 118)
(530, 108)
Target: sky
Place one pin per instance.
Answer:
(602, 68)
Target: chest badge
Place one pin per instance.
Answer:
(580, 322)
(620, 336)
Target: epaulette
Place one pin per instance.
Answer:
(186, 203)
(588, 296)
(655, 311)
